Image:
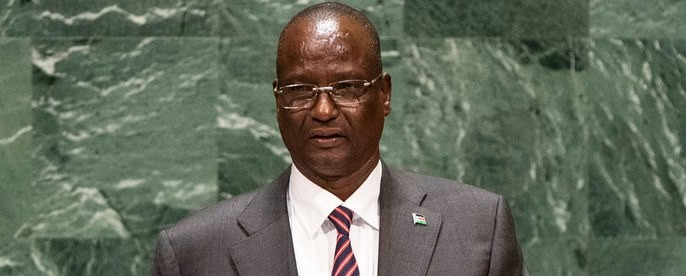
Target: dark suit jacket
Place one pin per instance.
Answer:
(469, 232)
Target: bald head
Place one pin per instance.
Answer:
(324, 22)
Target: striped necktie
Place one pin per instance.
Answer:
(344, 263)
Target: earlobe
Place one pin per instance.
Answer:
(276, 100)
(386, 89)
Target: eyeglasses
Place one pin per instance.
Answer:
(347, 93)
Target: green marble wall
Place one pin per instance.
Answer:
(118, 119)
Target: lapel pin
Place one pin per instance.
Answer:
(418, 219)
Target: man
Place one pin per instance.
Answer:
(339, 210)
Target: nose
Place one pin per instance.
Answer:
(324, 108)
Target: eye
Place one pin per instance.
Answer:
(297, 88)
(349, 87)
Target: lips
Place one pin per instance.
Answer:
(327, 132)
(326, 137)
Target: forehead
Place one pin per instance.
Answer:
(311, 46)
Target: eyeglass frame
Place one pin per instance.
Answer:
(329, 89)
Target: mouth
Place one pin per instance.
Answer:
(326, 138)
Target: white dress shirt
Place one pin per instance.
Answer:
(314, 236)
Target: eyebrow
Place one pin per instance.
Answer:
(297, 78)
(350, 75)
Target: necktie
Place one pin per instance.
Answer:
(344, 263)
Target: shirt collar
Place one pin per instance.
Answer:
(312, 204)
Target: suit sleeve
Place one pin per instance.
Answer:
(165, 259)
(506, 255)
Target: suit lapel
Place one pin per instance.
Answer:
(268, 249)
(405, 248)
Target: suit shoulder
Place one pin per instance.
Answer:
(442, 188)
(454, 199)
(219, 219)
(476, 221)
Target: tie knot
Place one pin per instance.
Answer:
(341, 218)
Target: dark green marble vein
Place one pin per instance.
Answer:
(664, 257)
(16, 17)
(171, 18)
(461, 18)
(77, 256)
(508, 116)
(116, 131)
(124, 129)
(547, 19)
(638, 171)
(657, 19)
(15, 100)
(16, 193)
(251, 152)
(23, 258)
(514, 19)
(112, 18)
(17, 197)
(267, 18)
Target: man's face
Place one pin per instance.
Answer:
(329, 141)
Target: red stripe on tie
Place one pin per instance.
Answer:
(344, 256)
(340, 224)
(340, 250)
(352, 270)
(344, 214)
(344, 263)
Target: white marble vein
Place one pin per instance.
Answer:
(19, 133)
(154, 13)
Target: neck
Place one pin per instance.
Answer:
(341, 186)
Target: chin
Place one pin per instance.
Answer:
(331, 167)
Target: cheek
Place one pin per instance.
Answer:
(368, 124)
(285, 126)
(289, 126)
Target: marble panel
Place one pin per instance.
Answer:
(172, 17)
(546, 19)
(508, 116)
(115, 138)
(17, 196)
(15, 100)
(109, 18)
(16, 17)
(455, 18)
(267, 18)
(664, 257)
(543, 256)
(77, 256)
(16, 259)
(251, 152)
(15, 135)
(657, 19)
(514, 19)
(637, 92)
(124, 134)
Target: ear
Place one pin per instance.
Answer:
(276, 100)
(386, 88)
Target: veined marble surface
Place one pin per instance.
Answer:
(15, 134)
(117, 119)
(641, 19)
(514, 18)
(507, 116)
(171, 18)
(121, 145)
(638, 164)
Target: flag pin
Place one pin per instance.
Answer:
(418, 219)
